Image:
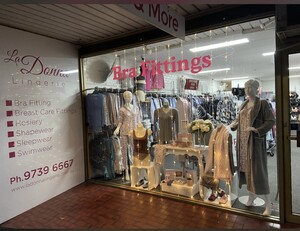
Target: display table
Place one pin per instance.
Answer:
(162, 150)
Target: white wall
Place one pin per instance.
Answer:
(41, 136)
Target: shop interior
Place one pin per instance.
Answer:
(213, 90)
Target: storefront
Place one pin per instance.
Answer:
(264, 57)
(181, 99)
(200, 79)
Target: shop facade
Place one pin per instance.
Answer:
(60, 127)
(211, 82)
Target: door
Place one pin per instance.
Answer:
(291, 134)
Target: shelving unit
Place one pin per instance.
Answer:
(184, 190)
(151, 173)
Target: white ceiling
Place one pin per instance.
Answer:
(245, 60)
(86, 24)
(83, 24)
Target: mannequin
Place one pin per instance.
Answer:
(168, 125)
(254, 121)
(140, 83)
(129, 117)
(140, 136)
(219, 160)
(182, 81)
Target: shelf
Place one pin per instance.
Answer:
(184, 190)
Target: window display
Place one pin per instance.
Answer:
(209, 143)
(254, 121)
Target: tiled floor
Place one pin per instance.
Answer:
(91, 205)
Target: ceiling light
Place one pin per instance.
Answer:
(294, 68)
(268, 53)
(234, 78)
(294, 76)
(212, 71)
(69, 72)
(220, 45)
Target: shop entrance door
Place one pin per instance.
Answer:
(291, 140)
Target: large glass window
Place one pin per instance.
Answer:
(202, 77)
(294, 102)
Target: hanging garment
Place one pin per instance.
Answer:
(158, 81)
(220, 157)
(167, 124)
(95, 116)
(102, 156)
(118, 164)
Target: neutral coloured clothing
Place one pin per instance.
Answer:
(128, 119)
(184, 113)
(220, 157)
(244, 136)
(167, 124)
(256, 175)
(126, 147)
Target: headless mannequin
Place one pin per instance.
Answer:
(140, 83)
(140, 131)
(251, 89)
(167, 119)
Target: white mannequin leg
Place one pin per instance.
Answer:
(201, 192)
(251, 199)
(127, 175)
(267, 211)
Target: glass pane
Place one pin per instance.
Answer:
(294, 75)
(213, 77)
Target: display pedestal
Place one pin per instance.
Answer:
(257, 202)
(184, 190)
(151, 173)
(207, 192)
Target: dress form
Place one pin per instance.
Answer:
(140, 130)
(140, 84)
(165, 123)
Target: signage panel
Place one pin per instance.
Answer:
(161, 16)
(40, 119)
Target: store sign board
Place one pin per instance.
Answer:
(40, 121)
(160, 16)
(172, 65)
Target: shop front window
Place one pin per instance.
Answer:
(193, 118)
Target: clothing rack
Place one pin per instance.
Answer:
(108, 90)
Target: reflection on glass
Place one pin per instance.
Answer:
(216, 77)
(294, 101)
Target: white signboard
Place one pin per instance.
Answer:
(161, 16)
(40, 120)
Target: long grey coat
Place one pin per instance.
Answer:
(262, 119)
